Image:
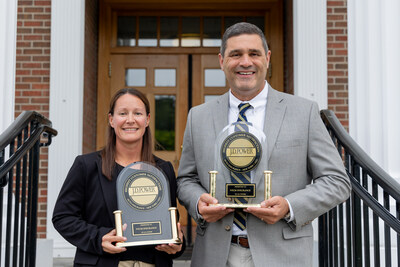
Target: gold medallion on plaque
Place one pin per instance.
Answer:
(143, 191)
(241, 152)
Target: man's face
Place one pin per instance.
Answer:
(245, 64)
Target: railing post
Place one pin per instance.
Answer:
(322, 244)
(356, 214)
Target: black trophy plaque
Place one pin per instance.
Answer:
(144, 204)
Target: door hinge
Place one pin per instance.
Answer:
(109, 69)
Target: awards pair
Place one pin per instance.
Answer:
(240, 179)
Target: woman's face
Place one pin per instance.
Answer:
(129, 120)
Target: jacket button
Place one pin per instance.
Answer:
(227, 227)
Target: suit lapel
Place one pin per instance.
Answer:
(274, 114)
(219, 113)
(109, 192)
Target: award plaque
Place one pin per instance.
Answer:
(240, 153)
(144, 205)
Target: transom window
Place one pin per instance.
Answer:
(176, 31)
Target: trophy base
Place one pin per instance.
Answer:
(236, 206)
(149, 242)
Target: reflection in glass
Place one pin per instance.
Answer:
(147, 31)
(165, 77)
(169, 31)
(212, 31)
(135, 77)
(165, 122)
(214, 78)
(190, 31)
(258, 21)
(229, 21)
(126, 31)
(208, 98)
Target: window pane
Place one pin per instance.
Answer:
(212, 31)
(148, 31)
(165, 77)
(169, 31)
(190, 31)
(214, 78)
(165, 122)
(258, 21)
(126, 32)
(135, 77)
(229, 21)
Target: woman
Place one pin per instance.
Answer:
(83, 213)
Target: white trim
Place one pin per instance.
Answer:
(8, 33)
(66, 97)
(374, 81)
(310, 50)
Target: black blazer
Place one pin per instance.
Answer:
(83, 213)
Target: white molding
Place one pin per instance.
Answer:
(66, 96)
(8, 35)
(310, 50)
(374, 80)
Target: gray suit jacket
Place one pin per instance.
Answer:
(307, 170)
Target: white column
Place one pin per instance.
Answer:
(66, 97)
(374, 80)
(8, 30)
(310, 50)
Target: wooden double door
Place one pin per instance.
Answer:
(173, 84)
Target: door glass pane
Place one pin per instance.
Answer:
(169, 31)
(190, 31)
(214, 78)
(165, 77)
(147, 31)
(165, 122)
(229, 21)
(135, 77)
(126, 32)
(212, 31)
(258, 21)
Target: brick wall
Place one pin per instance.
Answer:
(32, 78)
(90, 76)
(338, 60)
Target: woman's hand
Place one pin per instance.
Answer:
(110, 239)
(172, 248)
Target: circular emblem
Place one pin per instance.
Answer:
(143, 191)
(241, 152)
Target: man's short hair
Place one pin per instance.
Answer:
(239, 29)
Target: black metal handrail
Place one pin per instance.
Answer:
(19, 175)
(373, 207)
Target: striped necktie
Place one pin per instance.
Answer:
(241, 178)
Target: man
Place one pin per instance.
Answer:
(308, 175)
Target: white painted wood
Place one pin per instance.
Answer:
(66, 97)
(374, 80)
(310, 50)
(8, 33)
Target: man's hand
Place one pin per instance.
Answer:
(211, 213)
(271, 211)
